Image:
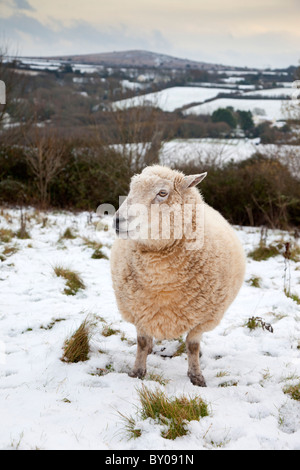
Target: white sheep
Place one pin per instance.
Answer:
(168, 286)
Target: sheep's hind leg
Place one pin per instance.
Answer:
(144, 347)
(193, 351)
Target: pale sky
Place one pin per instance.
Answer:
(261, 33)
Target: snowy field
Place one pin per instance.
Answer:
(262, 110)
(221, 150)
(49, 404)
(172, 98)
(218, 151)
(263, 107)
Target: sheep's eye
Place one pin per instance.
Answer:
(163, 193)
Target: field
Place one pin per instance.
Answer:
(173, 98)
(271, 110)
(221, 150)
(46, 403)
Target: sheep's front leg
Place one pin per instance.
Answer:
(193, 351)
(144, 347)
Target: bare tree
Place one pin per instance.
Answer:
(45, 156)
(136, 132)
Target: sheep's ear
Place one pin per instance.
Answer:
(193, 180)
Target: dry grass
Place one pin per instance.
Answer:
(77, 347)
(98, 254)
(109, 331)
(68, 234)
(74, 282)
(254, 281)
(6, 235)
(293, 391)
(96, 246)
(258, 322)
(10, 250)
(173, 414)
(264, 252)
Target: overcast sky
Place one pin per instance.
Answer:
(261, 33)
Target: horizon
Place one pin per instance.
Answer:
(60, 56)
(227, 33)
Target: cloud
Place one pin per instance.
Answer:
(31, 37)
(230, 33)
(23, 5)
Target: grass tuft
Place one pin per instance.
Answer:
(98, 254)
(294, 297)
(96, 246)
(293, 391)
(77, 347)
(109, 331)
(254, 281)
(6, 235)
(68, 234)
(74, 281)
(173, 414)
(258, 322)
(264, 252)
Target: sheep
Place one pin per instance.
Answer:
(175, 285)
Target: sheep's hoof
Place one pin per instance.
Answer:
(197, 380)
(139, 373)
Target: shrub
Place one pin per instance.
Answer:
(257, 191)
(225, 115)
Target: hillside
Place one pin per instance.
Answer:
(138, 58)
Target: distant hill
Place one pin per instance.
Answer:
(138, 58)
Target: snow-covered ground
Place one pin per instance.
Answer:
(263, 107)
(172, 98)
(218, 151)
(263, 110)
(49, 404)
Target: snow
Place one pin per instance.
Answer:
(269, 109)
(221, 151)
(263, 107)
(209, 150)
(273, 92)
(170, 99)
(224, 150)
(131, 85)
(49, 404)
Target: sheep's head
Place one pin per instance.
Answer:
(156, 209)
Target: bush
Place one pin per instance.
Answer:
(257, 191)
(225, 115)
(91, 175)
